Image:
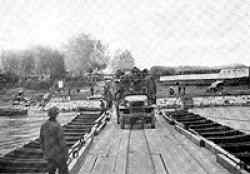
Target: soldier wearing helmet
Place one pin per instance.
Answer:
(136, 80)
(151, 88)
(53, 143)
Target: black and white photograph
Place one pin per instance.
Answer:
(124, 87)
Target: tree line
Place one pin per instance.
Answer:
(81, 54)
(34, 61)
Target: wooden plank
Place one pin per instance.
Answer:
(183, 155)
(177, 150)
(120, 161)
(108, 153)
(205, 157)
(160, 165)
(139, 159)
(162, 144)
(113, 145)
(97, 150)
(103, 165)
(89, 164)
(202, 155)
(102, 141)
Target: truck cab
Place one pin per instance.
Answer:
(136, 107)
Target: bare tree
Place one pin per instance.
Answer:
(27, 65)
(49, 62)
(122, 60)
(10, 62)
(84, 54)
(38, 60)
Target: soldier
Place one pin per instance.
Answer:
(110, 99)
(171, 91)
(91, 89)
(144, 83)
(144, 73)
(125, 82)
(119, 73)
(184, 90)
(53, 143)
(107, 94)
(119, 91)
(136, 80)
(179, 88)
(105, 88)
(103, 107)
(151, 87)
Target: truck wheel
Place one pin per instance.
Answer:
(122, 124)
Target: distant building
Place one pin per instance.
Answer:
(227, 73)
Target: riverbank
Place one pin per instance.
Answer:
(200, 91)
(206, 101)
(7, 95)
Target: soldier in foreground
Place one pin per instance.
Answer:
(53, 143)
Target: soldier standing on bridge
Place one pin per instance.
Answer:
(144, 82)
(107, 94)
(136, 79)
(151, 87)
(53, 143)
(92, 89)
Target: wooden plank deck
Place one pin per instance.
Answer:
(147, 151)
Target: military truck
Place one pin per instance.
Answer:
(135, 98)
(135, 107)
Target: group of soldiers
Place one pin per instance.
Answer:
(134, 81)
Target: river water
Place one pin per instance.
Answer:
(15, 131)
(236, 117)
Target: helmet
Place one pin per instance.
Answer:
(53, 112)
(145, 71)
(135, 70)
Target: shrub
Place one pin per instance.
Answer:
(37, 85)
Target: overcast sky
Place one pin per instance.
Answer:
(158, 32)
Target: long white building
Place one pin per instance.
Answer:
(229, 73)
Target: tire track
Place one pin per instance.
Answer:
(149, 151)
(127, 153)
